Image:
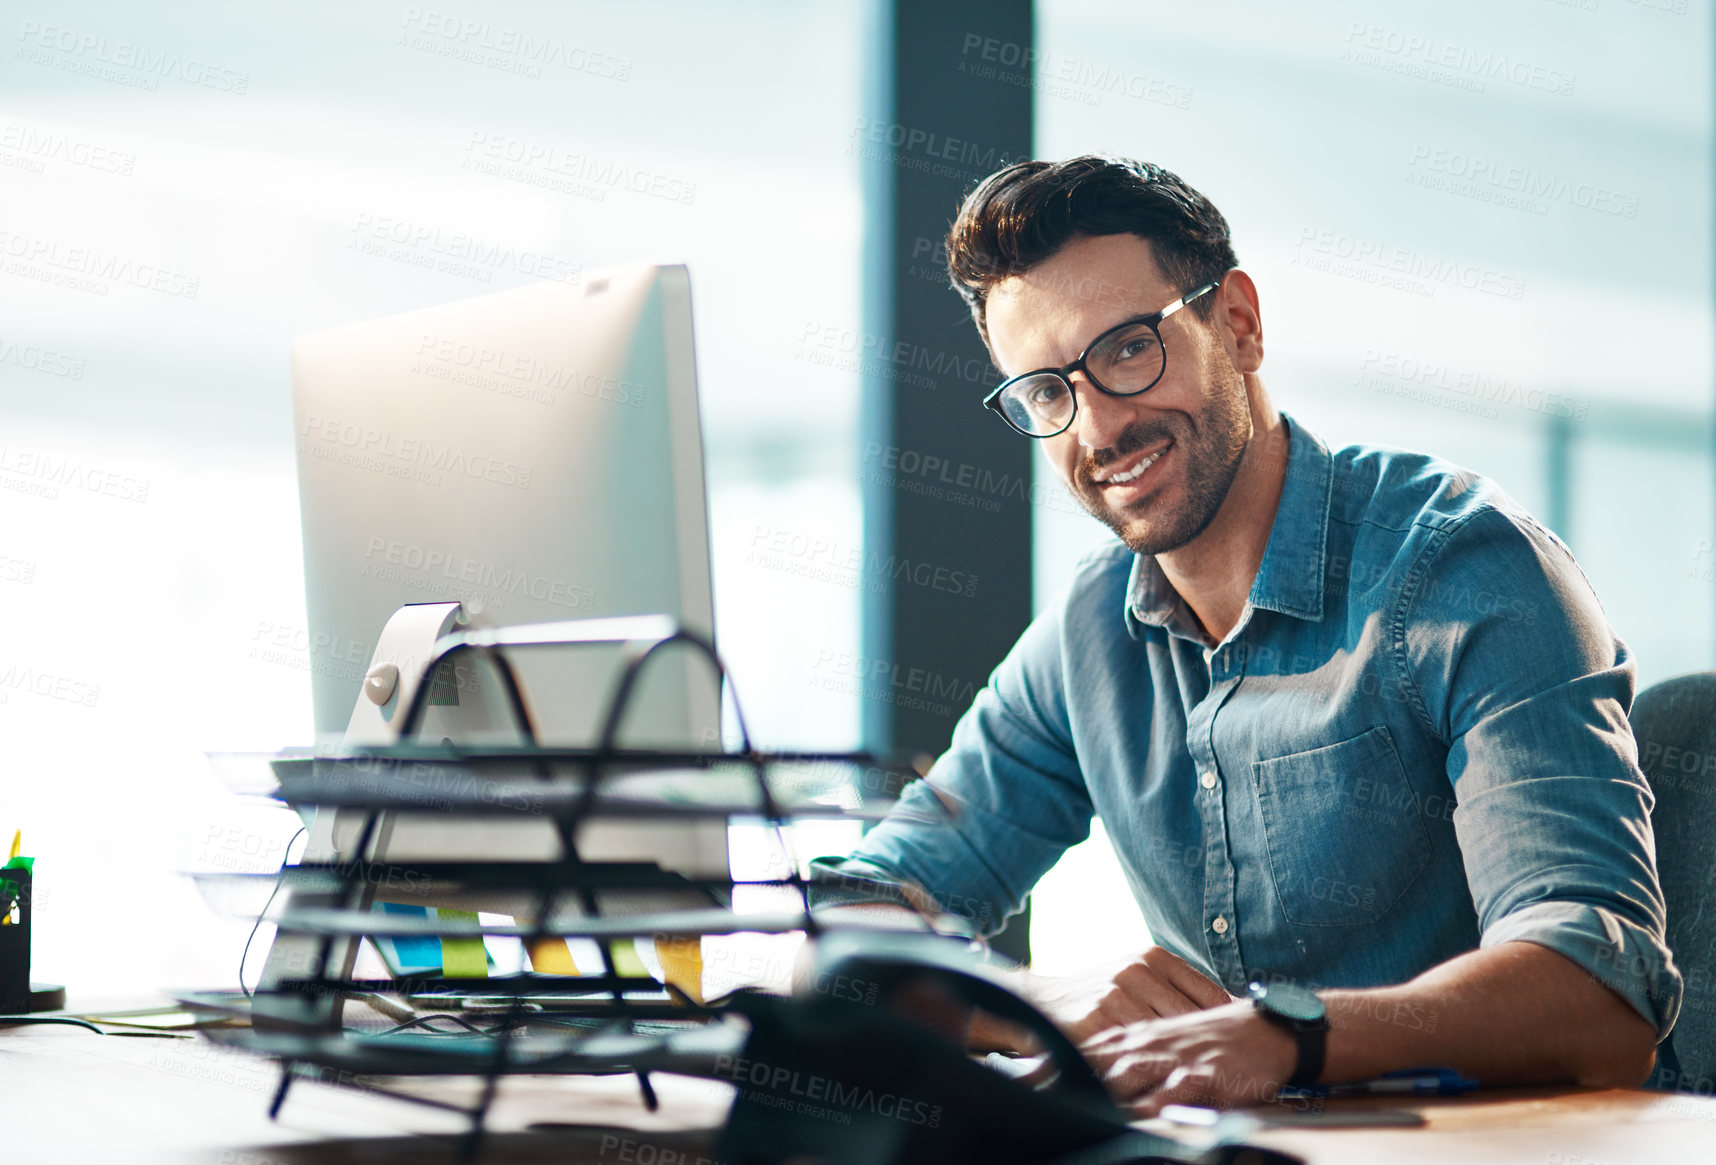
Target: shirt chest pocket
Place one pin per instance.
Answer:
(1343, 830)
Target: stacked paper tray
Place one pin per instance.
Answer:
(303, 1020)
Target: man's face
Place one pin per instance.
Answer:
(1186, 434)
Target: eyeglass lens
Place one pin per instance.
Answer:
(1125, 361)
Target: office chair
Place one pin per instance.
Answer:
(1675, 723)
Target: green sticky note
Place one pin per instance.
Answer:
(462, 958)
(626, 959)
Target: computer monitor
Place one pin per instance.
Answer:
(534, 455)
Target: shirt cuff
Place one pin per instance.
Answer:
(1625, 957)
(851, 882)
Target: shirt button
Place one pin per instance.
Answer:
(1207, 779)
(1219, 925)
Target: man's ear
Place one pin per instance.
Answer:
(1241, 320)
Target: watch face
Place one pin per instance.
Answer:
(1288, 1000)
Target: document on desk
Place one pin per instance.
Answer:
(159, 1020)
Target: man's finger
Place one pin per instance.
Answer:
(1116, 1010)
(989, 1034)
(1149, 994)
(1191, 983)
(1133, 1074)
(1181, 1086)
(1104, 1048)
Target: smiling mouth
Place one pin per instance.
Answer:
(1135, 472)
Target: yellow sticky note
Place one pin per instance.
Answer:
(682, 963)
(551, 956)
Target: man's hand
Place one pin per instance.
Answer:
(1514, 1013)
(1216, 1058)
(1156, 985)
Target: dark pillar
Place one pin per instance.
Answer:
(946, 487)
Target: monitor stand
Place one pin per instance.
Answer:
(694, 848)
(406, 645)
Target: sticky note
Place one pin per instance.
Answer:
(551, 956)
(682, 963)
(462, 958)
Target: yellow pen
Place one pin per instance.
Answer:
(9, 909)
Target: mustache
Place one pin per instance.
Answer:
(1131, 440)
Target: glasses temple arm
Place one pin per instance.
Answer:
(1185, 299)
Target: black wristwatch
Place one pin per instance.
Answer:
(1300, 1013)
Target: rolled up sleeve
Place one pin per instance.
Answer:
(994, 813)
(1515, 666)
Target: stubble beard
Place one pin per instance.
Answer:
(1209, 443)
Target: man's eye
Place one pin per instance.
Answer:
(1136, 346)
(1046, 394)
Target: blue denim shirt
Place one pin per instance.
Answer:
(1413, 743)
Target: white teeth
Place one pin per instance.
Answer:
(1123, 478)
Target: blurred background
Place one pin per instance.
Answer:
(1478, 229)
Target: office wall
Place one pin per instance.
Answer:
(185, 187)
(1478, 229)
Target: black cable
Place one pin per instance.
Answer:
(279, 879)
(65, 1019)
(424, 1021)
(72, 1021)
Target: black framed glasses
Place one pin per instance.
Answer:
(1125, 360)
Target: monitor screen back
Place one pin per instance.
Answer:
(536, 455)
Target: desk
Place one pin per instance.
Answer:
(1539, 1126)
(70, 1096)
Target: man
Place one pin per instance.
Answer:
(1354, 722)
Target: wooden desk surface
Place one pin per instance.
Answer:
(1540, 1126)
(68, 1095)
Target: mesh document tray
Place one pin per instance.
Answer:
(323, 1021)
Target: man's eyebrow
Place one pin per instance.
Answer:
(1126, 318)
(1006, 375)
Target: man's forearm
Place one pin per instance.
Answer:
(1512, 1013)
(873, 914)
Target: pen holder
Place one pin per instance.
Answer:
(17, 905)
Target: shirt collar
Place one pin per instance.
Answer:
(1290, 578)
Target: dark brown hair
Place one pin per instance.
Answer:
(1022, 214)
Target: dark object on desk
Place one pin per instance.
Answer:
(1675, 723)
(856, 1070)
(17, 905)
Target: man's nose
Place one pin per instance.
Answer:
(1101, 418)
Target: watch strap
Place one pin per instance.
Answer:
(1313, 1041)
(1310, 1033)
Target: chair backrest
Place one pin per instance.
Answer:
(1675, 723)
